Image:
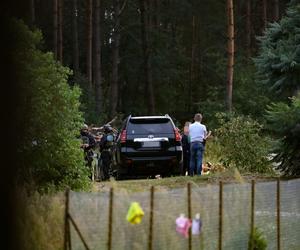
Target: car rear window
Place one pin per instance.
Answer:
(149, 126)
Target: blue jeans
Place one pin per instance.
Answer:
(197, 149)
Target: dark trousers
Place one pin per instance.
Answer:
(106, 162)
(197, 149)
(186, 162)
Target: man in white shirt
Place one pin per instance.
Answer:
(197, 133)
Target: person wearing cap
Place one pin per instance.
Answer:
(85, 134)
(197, 134)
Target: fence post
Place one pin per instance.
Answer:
(67, 233)
(189, 212)
(252, 213)
(151, 218)
(220, 214)
(278, 214)
(110, 215)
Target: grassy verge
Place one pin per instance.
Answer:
(229, 176)
(41, 221)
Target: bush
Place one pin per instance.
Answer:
(49, 119)
(241, 144)
(257, 241)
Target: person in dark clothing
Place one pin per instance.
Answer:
(106, 150)
(185, 148)
(89, 142)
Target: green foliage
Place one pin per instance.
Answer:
(242, 144)
(49, 119)
(87, 100)
(250, 97)
(278, 62)
(284, 121)
(257, 241)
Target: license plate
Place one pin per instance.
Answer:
(151, 144)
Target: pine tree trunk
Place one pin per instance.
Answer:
(98, 80)
(145, 27)
(156, 14)
(230, 51)
(32, 13)
(192, 69)
(89, 57)
(115, 59)
(248, 28)
(75, 39)
(276, 10)
(264, 14)
(55, 28)
(60, 30)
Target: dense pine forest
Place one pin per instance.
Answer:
(175, 57)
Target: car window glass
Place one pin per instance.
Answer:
(149, 127)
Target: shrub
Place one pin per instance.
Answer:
(49, 119)
(257, 240)
(242, 145)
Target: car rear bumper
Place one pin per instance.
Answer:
(143, 165)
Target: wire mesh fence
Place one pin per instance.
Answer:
(225, 212)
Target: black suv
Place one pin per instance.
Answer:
(148, 145)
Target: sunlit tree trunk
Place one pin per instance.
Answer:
(230, 51)
(75, 39)
(55, 28)
(145, 27)
(98, 68)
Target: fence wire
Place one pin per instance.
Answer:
(90, 211)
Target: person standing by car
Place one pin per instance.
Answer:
(88, 143)
(106, 144)
(197, 133)
(185, 140)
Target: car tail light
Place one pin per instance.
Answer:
(123, 136)
(177, 135)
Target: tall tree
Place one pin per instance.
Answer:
(248, 28)
(75, 38)
(279, 56)
(145, 28)
(89, 58)
(60, 30)
(55, 28)
(115, 56)
(192, 66)
(32, 12)
(98, 68)
(276, 10)
(230, 52)
(264, 14)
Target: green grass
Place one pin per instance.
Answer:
(229, 176)
(41, 220)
